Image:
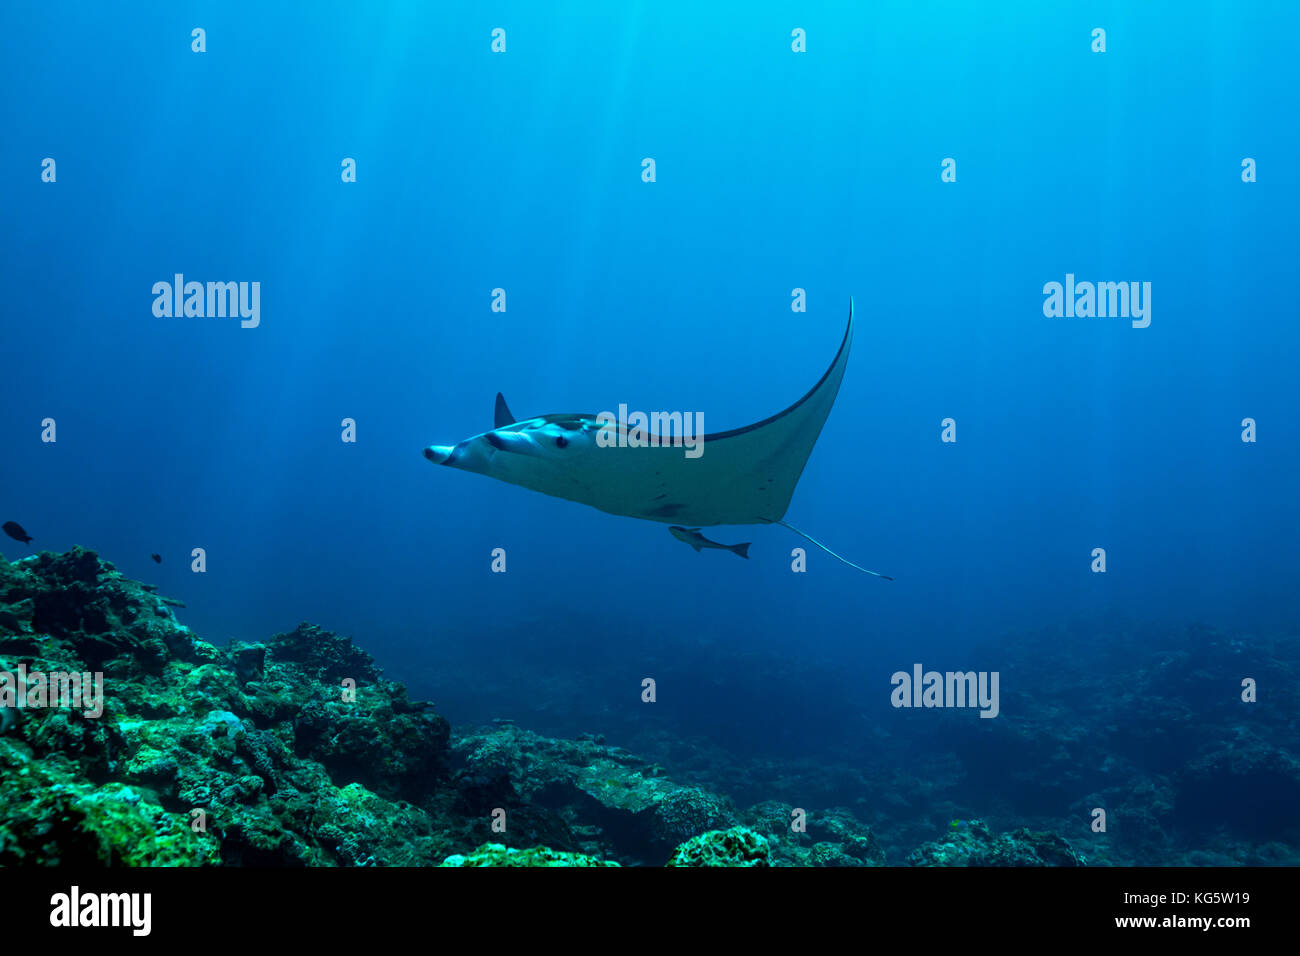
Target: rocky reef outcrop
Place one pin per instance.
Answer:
(291, 752)
(972, 843)
(737, 846)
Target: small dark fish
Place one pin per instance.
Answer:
(157, 558)
(697, 541)
(15, 531)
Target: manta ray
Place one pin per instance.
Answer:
(742, 476)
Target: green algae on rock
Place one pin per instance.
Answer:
(737, 846)
(496, 854)
(49, 816)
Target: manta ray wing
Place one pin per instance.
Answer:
(742, 476)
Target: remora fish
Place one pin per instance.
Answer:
(745, 475)
(697, 541)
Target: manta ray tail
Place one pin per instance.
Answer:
(830, 552)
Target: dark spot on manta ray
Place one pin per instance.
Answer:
(494, 441)
(661, 497)
(561, 442)
(668, 510)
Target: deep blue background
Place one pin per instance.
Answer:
(775, 171)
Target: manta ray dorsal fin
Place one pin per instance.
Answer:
(502, 416)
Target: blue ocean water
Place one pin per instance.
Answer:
(775, 170)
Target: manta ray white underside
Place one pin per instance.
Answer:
(743, 476)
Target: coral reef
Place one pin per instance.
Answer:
(245, 755)
(296, 751)
(738, 846)
(971, 843)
